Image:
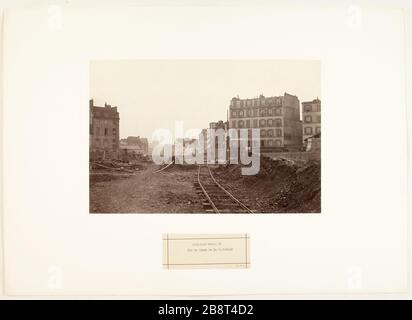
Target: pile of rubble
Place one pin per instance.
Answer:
(114, 165)
(107, 170)
(301, 193)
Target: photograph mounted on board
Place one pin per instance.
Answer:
(205, 136)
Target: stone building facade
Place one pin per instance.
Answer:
(219, 125)
(104, 132)
(278, 119)
(311, 118)
(136, 145)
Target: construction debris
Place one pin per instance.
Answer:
(106, 170)
(281, 185)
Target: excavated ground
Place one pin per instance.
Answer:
(281, 186)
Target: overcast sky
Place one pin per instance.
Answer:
(153, 94)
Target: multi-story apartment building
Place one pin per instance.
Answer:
(219, 125)
(104, 131)
(205, 137)
(311, 118)
(278, 119)
(222, 147)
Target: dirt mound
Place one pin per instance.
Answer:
(183, 167)
(280, 186)
(302, 192)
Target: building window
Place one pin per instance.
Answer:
(278, 132)
(247, 123)
(270, 112)
(318, 107)
(317, 130)
(270, 122)
(91, 129)
(241, 113)
(308, 130)
(308, 108)
(114, 131)
(263, 133)
(240, 123)
(249, 113)
(255, 123)
(234, 124)
(97, 130)
(278, 143)
(106, 131)
(262, 123)
(262, 112)
(278, 111)
(233, 113)
(278, 122)
(308, 118)
(270, 133)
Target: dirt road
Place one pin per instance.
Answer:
(170, 191)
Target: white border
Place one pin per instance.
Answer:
(407, 5)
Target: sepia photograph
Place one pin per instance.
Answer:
(208, 177)
(205, 136)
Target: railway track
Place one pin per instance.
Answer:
(215, 198)
(164, 167)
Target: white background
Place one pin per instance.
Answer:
(363, 224)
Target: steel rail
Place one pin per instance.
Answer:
(215, 209)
